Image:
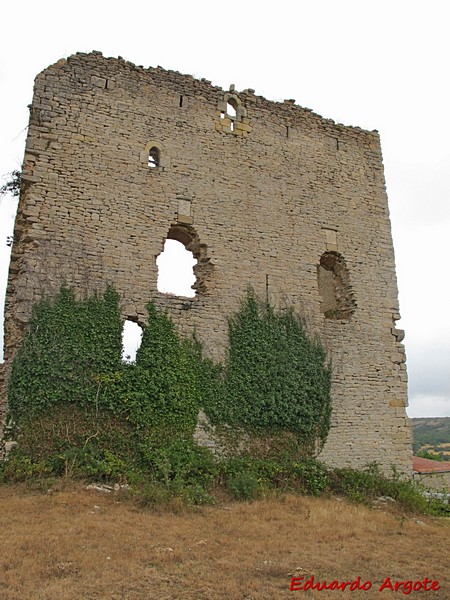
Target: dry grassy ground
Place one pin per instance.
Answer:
(74, 544)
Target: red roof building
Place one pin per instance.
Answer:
(425, 465)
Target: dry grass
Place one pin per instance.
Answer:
(74, 544)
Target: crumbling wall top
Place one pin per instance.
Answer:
(87, 65)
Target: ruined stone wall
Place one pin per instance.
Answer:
(263, 193)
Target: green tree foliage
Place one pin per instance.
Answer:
(429, 455)
(12, 185)
(432, 434)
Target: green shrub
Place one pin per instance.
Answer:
(360, 486)
(244, 486)
(368, 485)
(19, 467)
(151, 494)
(177, 460)
(429, 455)
(247, 477)
(312, 476)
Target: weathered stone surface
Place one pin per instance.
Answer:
(275, 192)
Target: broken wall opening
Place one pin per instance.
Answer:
(175, 270)
(200, 262)
(336, 294)
(131, 340)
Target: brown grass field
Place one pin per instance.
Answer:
(76, 544)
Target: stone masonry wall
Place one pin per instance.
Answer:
(263, 193)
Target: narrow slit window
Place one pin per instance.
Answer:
(153, 157)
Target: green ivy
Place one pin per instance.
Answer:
(81, 411)
(161, 388)
(275, 378)
(67, 344)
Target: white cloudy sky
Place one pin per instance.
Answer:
(379, 65)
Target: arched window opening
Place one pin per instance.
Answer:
(176, 270)
(232, 115)
(153, 157)
(337, 300)
(232, 112)
(232, 108)
(131, 340)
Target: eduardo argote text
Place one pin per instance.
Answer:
(405, 587)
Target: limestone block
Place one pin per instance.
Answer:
(396, 403)
(98, 81)
(184, 207)
(185, 219)
(331, 239)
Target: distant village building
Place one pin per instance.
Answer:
(434, 474)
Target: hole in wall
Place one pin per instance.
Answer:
(176, 270)
(337, 300)
(131, 340)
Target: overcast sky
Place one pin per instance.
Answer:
(378, 65)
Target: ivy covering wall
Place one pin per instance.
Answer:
(275, 377)
(77, 408)
(67, 345)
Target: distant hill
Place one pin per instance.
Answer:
(432, 435)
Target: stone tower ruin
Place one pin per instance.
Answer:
(119, 158)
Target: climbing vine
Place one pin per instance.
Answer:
(68, 342)
(275, 377)
(81, 410)
(161, 389)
